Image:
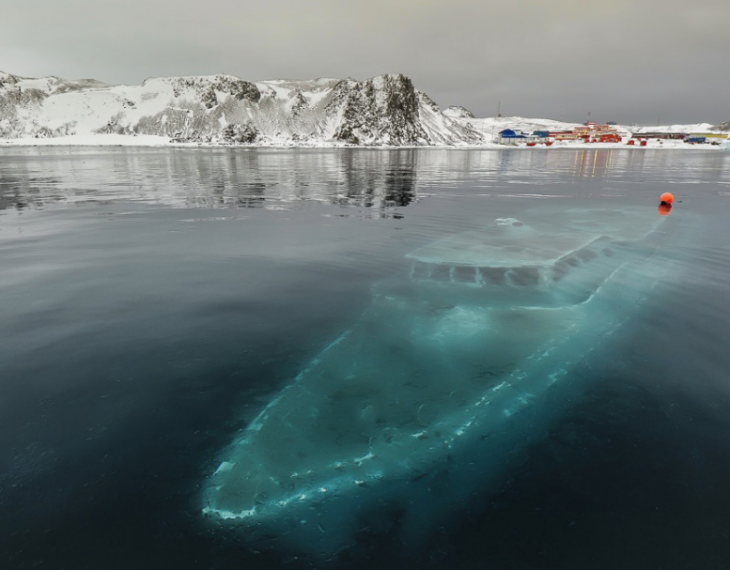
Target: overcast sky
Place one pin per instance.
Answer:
(637, 61)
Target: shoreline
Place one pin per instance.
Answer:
(154, 141)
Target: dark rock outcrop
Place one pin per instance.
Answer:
(222, 109)
(459, 112)
(383, 110)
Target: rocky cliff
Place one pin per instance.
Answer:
(222, 109)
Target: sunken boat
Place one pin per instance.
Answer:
(454, 367)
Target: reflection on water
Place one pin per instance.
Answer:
(213, 178)
(594, 163)
(235, 178)
(135, 345)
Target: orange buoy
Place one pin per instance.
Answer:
(666, 198)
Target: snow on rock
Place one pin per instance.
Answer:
(223, 109)
(458, 112)
(21, 101)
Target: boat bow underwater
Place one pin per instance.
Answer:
(423, 402)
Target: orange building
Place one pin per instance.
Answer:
(591, 132)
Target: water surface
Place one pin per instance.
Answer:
(153, 300)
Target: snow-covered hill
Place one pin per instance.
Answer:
(385, 110)
(490, 127)
(691, 128)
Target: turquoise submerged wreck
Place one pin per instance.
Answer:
(423, 402)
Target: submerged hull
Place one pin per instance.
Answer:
(426, 398)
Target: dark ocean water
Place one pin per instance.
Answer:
(153, 300)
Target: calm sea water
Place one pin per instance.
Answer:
(153, 300)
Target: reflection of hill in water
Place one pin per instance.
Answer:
(235, 178)
(211, 178)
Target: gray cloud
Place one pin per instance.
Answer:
(626, 60)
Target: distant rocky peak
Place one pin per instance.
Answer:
(458, 112)
(380, 110)
(205, 87)
(7, 78)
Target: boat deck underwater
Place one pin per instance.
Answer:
(455, 364)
